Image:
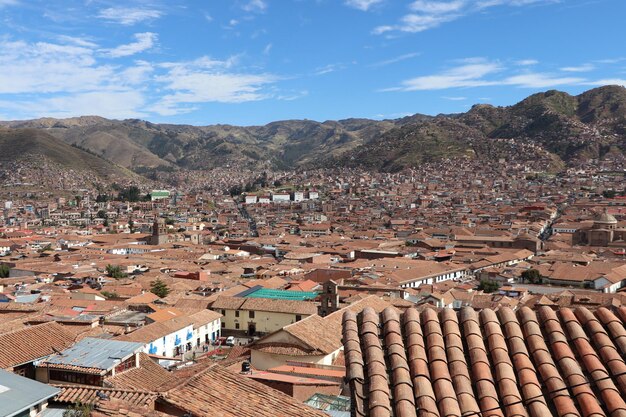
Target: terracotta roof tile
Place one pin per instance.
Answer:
(516, 364)
(31, 343)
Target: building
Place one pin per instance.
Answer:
(89, 362)
(314, 340)
(260, 315)
(281, 197)
(603, 232)
(159, 233)
(21, 348)
(168, 339)
(159, 195)
(23, 397)
(216, 391)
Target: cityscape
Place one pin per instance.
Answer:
(187, 237)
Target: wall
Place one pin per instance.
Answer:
(211, 329)
(266, 322)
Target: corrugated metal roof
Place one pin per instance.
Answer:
(19, 394)
(260, 292)
(96, 353)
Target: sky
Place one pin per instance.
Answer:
(250, 62)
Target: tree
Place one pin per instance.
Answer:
(531, 275)
(109, 294)
(115, 271)
(101, 214)
(4, 271)
(131, 226)
(609, 193)
(132, 193)
(159, 288)
(78, 410)
(488, 286)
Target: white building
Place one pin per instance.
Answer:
(281, 197)
(298, 196)
(313, 195)
(251, 199)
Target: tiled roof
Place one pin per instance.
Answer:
(323, 334)
(30, 343)
(149, 376)
(87, 394)
(154, 331)
(265, 304)
(219, 392)
(566, 363)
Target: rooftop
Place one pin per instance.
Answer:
(18, 394)
(260, 292)
(92, 353)
(565, 362)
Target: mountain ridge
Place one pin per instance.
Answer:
(570, 128)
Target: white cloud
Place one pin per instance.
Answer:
(479, 72)
(327, 69)
(110, 104)
(580, 68)
(606, 81)
(428, 14)
(362, 4)
(68, 80)
(4, 3)
(470, 74)
(84, 42)
(437, 7)
(129, 16)
(144, 41)
(399, 58)
(49, 68)
(206, 80)
(538, 80)
(526, 62)
(454, 98)
(255, 6)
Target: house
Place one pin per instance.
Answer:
(22, 397)
(260, 315)
(168, 339)
(89, 362)
(281, 197)
(251, 199)
(216, 391)
(207, 326)
(315, 340)
(19, 349)
(5, 247)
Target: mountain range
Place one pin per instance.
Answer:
(564, 128)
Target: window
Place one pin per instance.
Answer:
(223, 325)
(251, 314)
(127, 364)
(75, 378)
(223, 312)
(237, 326)
(298, 317)
(237, 313)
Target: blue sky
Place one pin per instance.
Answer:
(254, 61)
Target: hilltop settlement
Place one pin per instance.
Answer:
(458, 286)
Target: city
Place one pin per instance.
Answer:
(226, 210)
